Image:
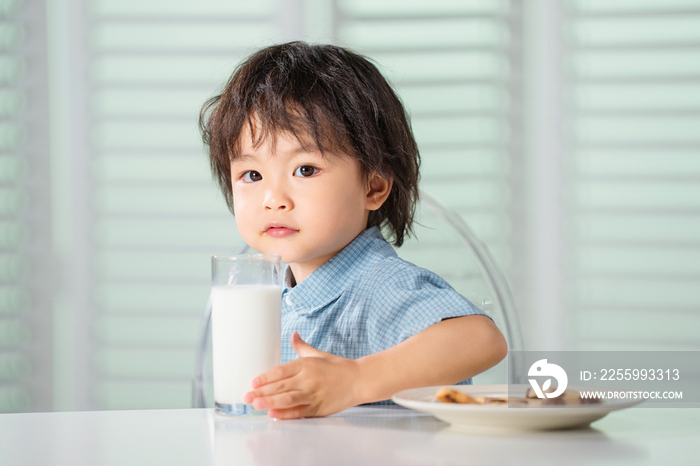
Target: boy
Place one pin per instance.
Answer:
(314, 154)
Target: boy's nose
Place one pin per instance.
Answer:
(273, 205)
(276, 200)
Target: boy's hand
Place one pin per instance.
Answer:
(316, 384)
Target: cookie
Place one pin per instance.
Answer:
(447, 395)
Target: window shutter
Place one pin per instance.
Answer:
(25, 264)
(454, 64)
(632, 135)
(156, 215)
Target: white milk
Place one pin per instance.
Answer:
(246, 337)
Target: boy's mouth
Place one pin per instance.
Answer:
(278, 230)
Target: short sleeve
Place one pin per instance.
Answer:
(409, 300)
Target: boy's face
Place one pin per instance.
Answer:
(298, 203)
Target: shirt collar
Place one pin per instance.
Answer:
(326, 283)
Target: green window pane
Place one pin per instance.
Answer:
(149, 134)
(160, 200)
(144, 363)
(637, 97)
(13, 300)
(13, 267)
(638, 195)
(14, 399)
(454, 98)
(12, 201)
(636, 31)
(648, 293)
(637, 64)
(151, 298)
(11, 69)
(456, 130)
(637, 129)
(14, 333)
(436, 163)
(151, 168)
(638, 162)
(182, 37)
(209, 234)
(145, 395)
(642, 228)
(417, 34)
(644, 326)
(182, 8)
(169, 103)
(421, 8)
(657, 261)
(153, 266)
(634, 6)
(11, 36)
(147, 331)
(13, 366)
(12, 135)
(13, 234)
(442, 66)
(462, 195)
(158, 70)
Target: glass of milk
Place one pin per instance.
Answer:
(246, 335)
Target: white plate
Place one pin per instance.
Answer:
(501, 418)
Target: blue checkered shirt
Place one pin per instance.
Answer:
(366, 299)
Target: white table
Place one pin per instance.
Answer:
(358, 436)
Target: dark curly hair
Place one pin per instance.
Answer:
(330, 95)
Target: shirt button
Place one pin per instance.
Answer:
(288, 300)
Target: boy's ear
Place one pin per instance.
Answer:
(378, 189)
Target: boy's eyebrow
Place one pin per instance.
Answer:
(305, 150)
(242, 158)
(298, 150)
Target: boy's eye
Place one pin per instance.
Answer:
(251, 176)
(305, 171)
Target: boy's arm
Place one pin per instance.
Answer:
(319, 383)
(445, 353)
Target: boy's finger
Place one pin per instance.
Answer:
(272, 388)
(290, 413)
(284, 400)
(280, 372)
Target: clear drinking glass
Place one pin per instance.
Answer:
(246, 326)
